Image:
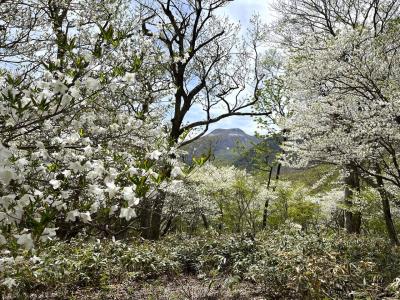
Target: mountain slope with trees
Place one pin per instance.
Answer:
(224, 145)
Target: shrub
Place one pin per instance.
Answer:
(287, 263)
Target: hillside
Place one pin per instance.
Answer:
(226, 145)
(230, 147)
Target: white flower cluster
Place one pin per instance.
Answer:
(345, 100)
(77, 148)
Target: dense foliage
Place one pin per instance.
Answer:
(284, 264)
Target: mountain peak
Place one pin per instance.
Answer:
(231, 131)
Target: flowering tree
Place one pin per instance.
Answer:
(343, 76)
(80, 144)
(233, 196)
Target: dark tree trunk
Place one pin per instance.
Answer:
(155, 222)
(150, 218)
(389, 221)
(352, 220)
(145, 218)
(152, 215)
(155, 215)
(221, 221)
(385, 198)
(266, 204)
(205, 222)
(278, 171)
(340, 218)
(167, 226)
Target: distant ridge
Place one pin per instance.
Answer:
(231, 132)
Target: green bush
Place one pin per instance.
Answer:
(287, 263)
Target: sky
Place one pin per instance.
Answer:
(241, 11)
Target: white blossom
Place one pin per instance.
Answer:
(3, 240)
(48, 234)
(55, 183)
(72, 215)
(6, 175)
(111, 189)
(130, 77)
(128, 193)
(176, 172)
(155, 155)
(25, 240)
(92, 84)
(127, 213)
(85, 216)
(10, 283)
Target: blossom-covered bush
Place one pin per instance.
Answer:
(225, 198)
(79, 146)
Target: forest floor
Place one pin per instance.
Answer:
(185, 287)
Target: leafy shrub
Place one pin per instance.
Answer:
(287, 263)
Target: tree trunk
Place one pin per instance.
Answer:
(221, 221)
(389, 221)
(150, 218)
(340, 218)
(266, 204)
(155, 213)
(278, 171)
(385, 198)
(205, 222)
(145, 218)
(155, 222)
(167, 226)
(352, 220)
